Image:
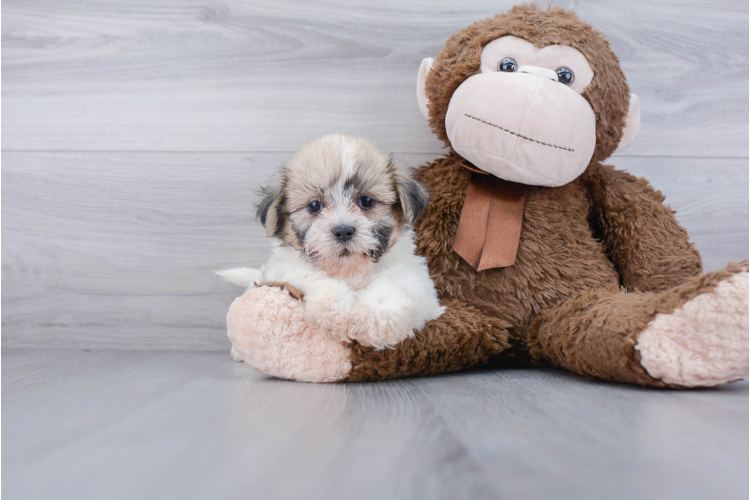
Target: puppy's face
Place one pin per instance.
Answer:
(342, 202)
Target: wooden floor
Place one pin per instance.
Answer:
(190, 425)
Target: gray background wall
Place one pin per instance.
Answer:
(135, 133)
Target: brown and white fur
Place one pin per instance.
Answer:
(341, 214)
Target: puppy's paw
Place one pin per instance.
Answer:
(328, 305)
(381, 320)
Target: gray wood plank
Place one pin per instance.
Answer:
(118, 249)
(123, 424)
(249, 76)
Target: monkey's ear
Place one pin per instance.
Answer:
(412, 195)
(422, 100)
(632, 123)
(267, 209)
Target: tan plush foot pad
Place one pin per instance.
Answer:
(268, 330)
(705, 342)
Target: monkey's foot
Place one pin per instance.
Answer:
(268, 331)
(704, 342)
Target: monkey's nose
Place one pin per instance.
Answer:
(343, 233)
(540, 72)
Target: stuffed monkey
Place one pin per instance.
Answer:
(541, 254)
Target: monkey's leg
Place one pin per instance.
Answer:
(268, 330)
(691, 335)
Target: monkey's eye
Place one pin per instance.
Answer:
(565, 75)
(314, 207)
(508, 65)
(365, 202)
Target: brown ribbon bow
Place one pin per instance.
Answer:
(490, 226)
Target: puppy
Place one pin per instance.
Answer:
(341, 213)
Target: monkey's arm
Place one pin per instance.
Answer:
(269, 331)
(461, 338)
(648, 246)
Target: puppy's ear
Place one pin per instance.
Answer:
(412, 194)
(268, 209)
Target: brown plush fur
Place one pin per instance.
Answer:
(597, 260)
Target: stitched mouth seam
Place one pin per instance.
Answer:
(516, 134)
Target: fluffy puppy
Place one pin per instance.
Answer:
(341, 213)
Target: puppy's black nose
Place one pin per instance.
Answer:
(343, 233)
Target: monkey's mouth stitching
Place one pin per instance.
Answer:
(518, 135)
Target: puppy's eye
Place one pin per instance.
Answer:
(365, 202)
(314, 207)
(508, 65)
(565, 75)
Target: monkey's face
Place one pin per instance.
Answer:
(526, 112)
(522, 118)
